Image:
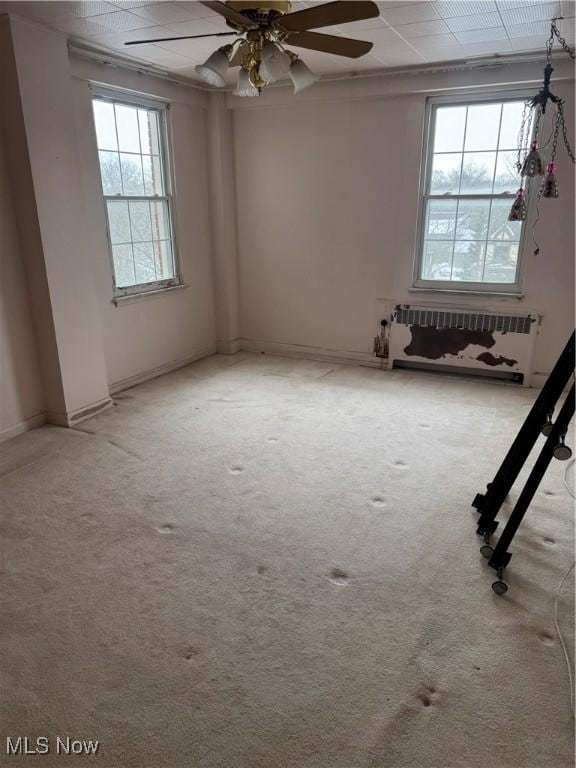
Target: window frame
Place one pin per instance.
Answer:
(461, 286)
(162, 108)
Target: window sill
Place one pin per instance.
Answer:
(129, 297)
(468, 292)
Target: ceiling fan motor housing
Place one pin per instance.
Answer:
(262, 13)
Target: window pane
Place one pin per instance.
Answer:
(472, 219)
(132, 181)
(445, 174)
(482, 127)
(123, 265)
(500, 228)
(449, 129)
(501, 260)
(468, 261)
(118, 222)
(153, 182)
(440, 219)
(510, 128)
(507, 178)
(140, 222)
(127, 127)
(110, 173)
(148, 122)
(164, 259)
(105, 125)
(160, 221)
(478, 173)
(437, 262)
(129, 140)
(144, 265)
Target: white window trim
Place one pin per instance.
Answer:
(453, 286)
(131, 98)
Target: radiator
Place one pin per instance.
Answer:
(445, 338)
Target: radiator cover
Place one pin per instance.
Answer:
(477, 342)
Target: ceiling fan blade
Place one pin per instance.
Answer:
(187, 37)
(340, 46)
(239, 54)
(230, 14)
(339, 12)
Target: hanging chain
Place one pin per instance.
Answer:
(562, 122)
(555, 32)
(523, 134)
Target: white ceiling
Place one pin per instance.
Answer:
(406, 33)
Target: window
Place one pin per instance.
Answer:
(471, 181)
(132, 151)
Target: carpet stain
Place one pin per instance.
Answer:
(338, 577)
(261, 569)
(546, 638)
(165, 529)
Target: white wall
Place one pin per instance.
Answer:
(22, 403)
(163, 330)
(327, 212)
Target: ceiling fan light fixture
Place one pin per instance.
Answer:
(214, 69)
(275, 63)
(245, 86)
(302, 77)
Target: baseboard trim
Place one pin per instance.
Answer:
(33, 422)
(344, 357)
(228, 346)
(153, 373)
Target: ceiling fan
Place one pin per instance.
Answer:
(263, 28)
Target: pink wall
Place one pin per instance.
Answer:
(153, 333)
(22, 404)
(327, 213)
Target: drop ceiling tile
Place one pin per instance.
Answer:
(481, 35)
(410, 13)
(88, 8)
(510, 5)
(527, 43)
(163, 13)
(122, 20)
(524, 15)
(78, 27)
(39, 11)
(477, 21)
(190, 48)
(541, 28)
(422, 29)
(199, 27)
(435, 43)
(451, 8)
(117, 39)
(128, 5)
(380, 36)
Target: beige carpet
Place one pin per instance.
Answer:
(258, 562)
